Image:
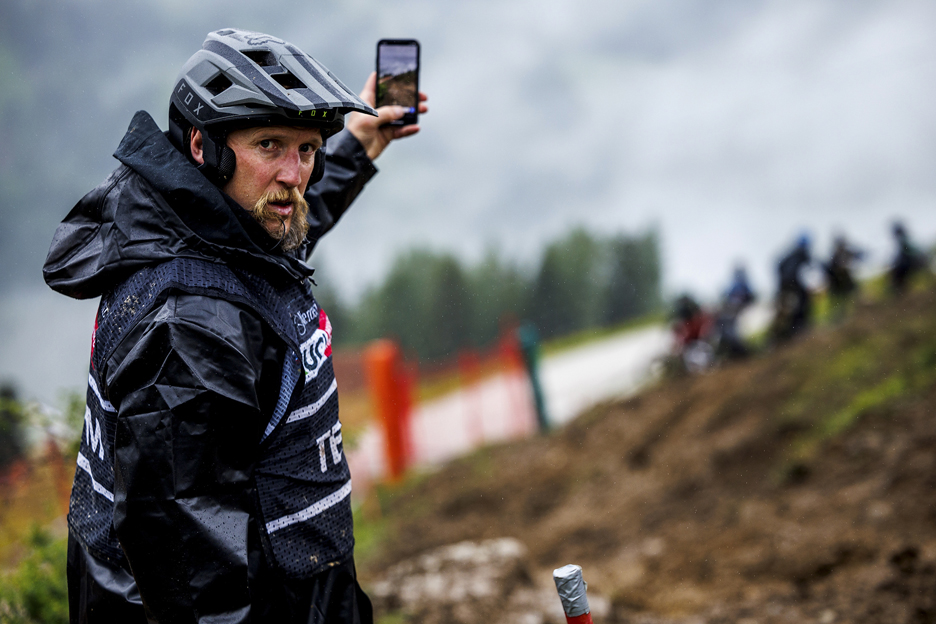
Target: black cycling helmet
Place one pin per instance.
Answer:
(243, 79)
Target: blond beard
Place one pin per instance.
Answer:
(275, 225)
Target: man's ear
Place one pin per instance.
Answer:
(196, 147)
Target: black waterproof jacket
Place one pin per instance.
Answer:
(156, 207)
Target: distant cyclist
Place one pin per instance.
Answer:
(692, 329)
(738, 297)
(794, 304)
(839, 272)
(908, 261)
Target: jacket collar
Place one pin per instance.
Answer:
(210, 214)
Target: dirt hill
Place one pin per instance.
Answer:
(796, 486)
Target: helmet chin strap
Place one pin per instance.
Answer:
(282, 236)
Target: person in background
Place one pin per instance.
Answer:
(794, 302)
(908, 261)
(692, 329)
(735, 300)
(840, 277)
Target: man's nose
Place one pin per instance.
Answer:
(290, 171)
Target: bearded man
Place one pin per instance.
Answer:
(211, 483)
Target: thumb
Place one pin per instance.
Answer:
(386, 114)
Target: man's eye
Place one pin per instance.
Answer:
(307, 148)
(266, 143)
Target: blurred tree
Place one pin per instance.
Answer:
(547, 307)
(435, 307)
(11, 421)
(567, 294)
(400, 307)
(338, 312)
(634, 277)
(499, 292)
(449, 310)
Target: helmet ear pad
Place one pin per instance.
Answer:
(219, 160)
(318, 167)
(226, 164)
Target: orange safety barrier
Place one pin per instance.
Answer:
(391, 388)
(469, 373)
(509, 350)
(511, 358)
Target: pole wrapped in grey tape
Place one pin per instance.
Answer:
(571, 587)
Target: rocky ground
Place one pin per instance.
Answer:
(795, 486)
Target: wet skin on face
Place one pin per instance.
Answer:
(271, 160)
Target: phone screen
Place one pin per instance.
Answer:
(398, 76)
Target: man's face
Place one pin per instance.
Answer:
(273, 168)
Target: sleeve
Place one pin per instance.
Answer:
(347, 170)
(188, 395)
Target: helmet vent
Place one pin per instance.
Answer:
(288, 81)
(218, 85)
(263, 58)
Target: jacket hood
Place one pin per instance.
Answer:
(155, 207)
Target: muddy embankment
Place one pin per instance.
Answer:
(795, 486)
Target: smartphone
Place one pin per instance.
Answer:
(398, 76)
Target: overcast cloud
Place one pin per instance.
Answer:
(729, 129)
(729, 126)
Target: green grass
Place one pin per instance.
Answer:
(36, 592)
(865, 369)
(370, 525)
(836, 423)
(370, 529)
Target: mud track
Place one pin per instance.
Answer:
(796, 486)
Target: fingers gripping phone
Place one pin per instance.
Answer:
(398, 77)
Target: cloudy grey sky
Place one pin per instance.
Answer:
(729, 126)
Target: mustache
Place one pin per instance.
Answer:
(281, 196)
(275, 224)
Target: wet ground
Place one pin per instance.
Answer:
(796, 486)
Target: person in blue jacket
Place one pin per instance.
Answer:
(735, 300)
